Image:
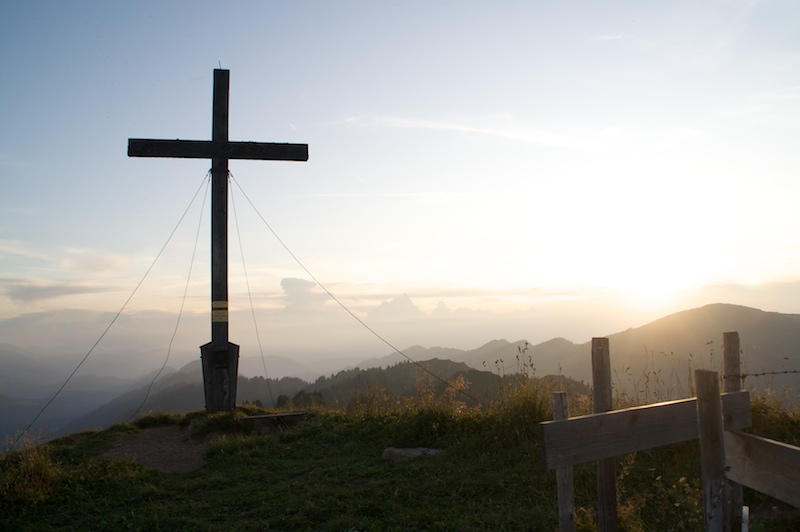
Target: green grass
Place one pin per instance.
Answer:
(327, 473)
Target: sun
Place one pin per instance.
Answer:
(651, 287)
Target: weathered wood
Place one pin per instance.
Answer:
(732, 379)
(767, 466)
(732, 372)
(205, 149)
(601, 375)
(712, 450)
(589, 438)
(219, 253)
(279, 415)
(606, 467)
(564, 480)
(764, 465)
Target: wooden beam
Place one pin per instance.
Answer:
(765, 465)
(606, 467)
(565, 483)
(732, 375)
(588, 438)
(206, 149)
(712, 450)
(732, 379)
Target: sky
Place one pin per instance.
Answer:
(477, 170)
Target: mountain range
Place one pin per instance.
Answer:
(651, 362)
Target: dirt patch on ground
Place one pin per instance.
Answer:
(169, 449)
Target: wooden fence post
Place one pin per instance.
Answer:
(564, 479)
(732, 378)
(606, 468)
(712, 450)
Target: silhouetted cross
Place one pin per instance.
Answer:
(220, 357)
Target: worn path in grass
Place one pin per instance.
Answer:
(168, 448)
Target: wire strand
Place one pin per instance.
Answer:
(113, 320)
(344, 307)
(183, 303)
(250, 296)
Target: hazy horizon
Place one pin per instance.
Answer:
(523, 170)
(327, 340)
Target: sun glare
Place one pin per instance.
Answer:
(651, 286)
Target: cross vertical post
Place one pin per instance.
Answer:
(221, 360)
(219, 215)
(220, 357)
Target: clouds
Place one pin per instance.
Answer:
(16, 249)
(399, 308)
(300, 297)
(29, 291)
(61, 257)
(503, 126)
(311, 334)
(777, 108)
(40, 274)
(90, 261)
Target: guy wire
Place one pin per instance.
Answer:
(113, 320)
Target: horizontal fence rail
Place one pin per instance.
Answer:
(593, 437)
(765, 465)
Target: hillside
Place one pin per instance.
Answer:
(675, 345)
(182, 391)
(179, 392)
(666, 351)
(405, 379)
(328, 472)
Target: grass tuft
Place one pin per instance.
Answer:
(28, 475)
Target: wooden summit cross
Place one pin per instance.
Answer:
(220, 357)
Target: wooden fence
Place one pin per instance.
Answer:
(729, 458)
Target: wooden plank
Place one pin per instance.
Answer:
(606, 467)
(765, 465)
(206, 149)
(588, 438)
(565, 486)
(733, 383)
(276, 416)
(220, 395)
(601, 375)
(732, 371)
(712, 450)
(220, 105)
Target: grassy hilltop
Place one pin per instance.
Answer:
(327, 472)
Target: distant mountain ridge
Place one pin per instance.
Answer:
(666, 350)
(663, 352)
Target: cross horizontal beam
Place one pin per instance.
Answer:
(206, 149)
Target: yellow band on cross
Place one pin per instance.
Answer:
(219, 311)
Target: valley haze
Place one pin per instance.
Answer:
(311, 329)
(662, 354)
